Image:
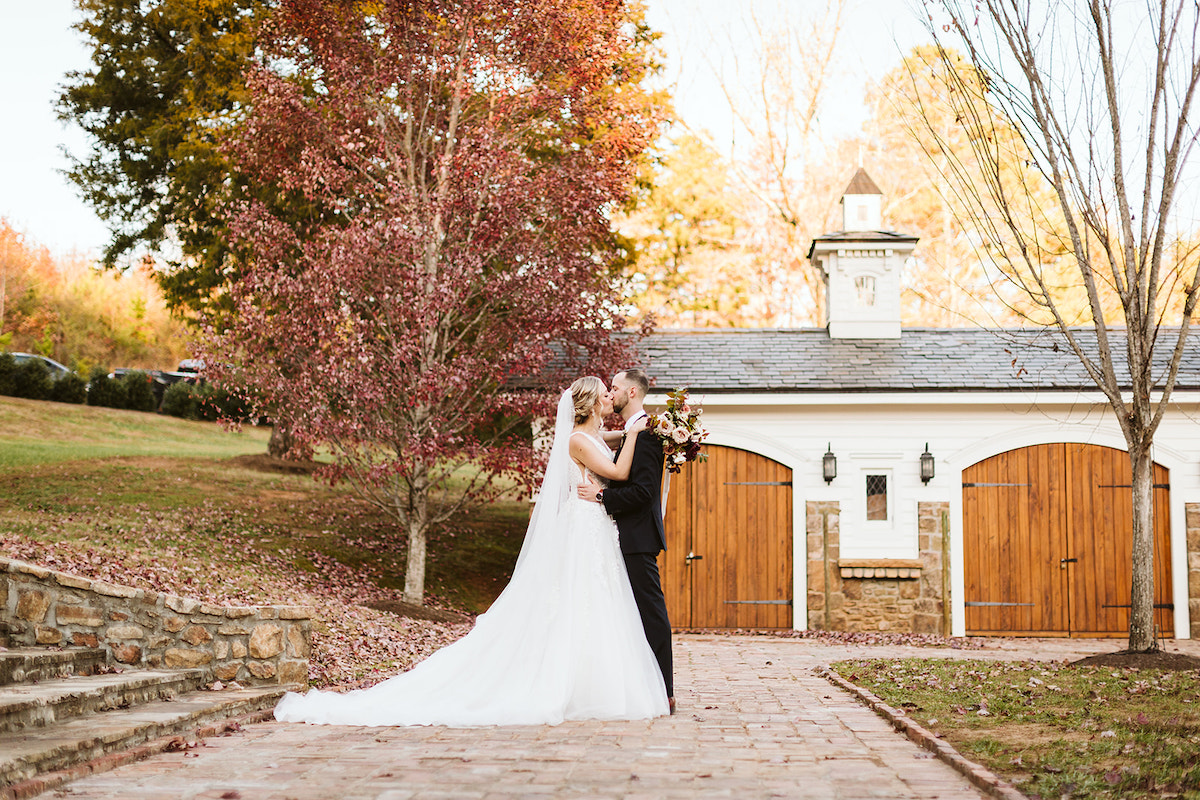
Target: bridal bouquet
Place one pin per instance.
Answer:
(680, 430)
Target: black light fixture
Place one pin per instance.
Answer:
(829, 464)
(926, 465)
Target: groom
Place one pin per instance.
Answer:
(636, 505)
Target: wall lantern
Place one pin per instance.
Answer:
(926, 465)
(829, 464)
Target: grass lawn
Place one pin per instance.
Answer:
(36, 432)
(1052, 729)
(173, 505)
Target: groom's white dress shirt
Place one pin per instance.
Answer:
(635, 418)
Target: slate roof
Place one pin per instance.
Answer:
(861, 183)
(922, 359)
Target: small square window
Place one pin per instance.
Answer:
(877, 499)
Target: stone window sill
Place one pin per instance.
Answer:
(903, 568)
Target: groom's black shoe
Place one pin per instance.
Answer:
(671, 704)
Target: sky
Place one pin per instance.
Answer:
(38, 47)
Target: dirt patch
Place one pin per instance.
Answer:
(1154, 659)
(261, 462)
(1023, 735)
(402, 609)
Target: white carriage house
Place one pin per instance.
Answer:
(950, 481)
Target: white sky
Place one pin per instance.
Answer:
(38, 46)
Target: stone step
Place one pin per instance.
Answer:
(31, 664)
(27, 753)
(34, 705)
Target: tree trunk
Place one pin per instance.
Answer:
(281, 442)
(417, 515)
(414, 570)
(1141, 614)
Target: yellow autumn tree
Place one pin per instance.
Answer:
(66, 308)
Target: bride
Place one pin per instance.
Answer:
(562, 641)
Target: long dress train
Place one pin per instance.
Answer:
(563, 640)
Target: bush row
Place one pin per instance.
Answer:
(133, 390)
(203, 401)
(32, 380)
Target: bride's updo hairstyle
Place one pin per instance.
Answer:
(586, 392)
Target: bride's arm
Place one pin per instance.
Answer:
(611, 438)
(586, 453)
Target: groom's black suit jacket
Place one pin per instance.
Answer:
(636, 504)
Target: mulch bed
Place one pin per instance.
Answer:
(261, 462)
(849, 637)
(412, 611)
(1152, 659)
(264, 463)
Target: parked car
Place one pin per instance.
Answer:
(55, 369)
(190, 370)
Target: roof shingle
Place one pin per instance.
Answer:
(922, 359)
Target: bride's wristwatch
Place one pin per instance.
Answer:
(600, 497)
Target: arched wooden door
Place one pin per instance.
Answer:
(729, 539)
(1047, 540)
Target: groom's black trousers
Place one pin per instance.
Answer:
(647, 591)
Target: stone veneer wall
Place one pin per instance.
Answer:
(880, 595)
(1192, 515)
(249, 644)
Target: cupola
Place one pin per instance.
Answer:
(861, 265)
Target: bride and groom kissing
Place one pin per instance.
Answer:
(581, 630)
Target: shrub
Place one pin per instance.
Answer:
(180, 400)
(104, 391)
(70, 388)
(205, 402)
(32, 380)
(139, 391)
(220, 403)
(8, 368)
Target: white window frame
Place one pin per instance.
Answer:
(877, 526)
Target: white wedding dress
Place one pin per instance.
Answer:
(563, 640)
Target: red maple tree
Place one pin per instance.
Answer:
(443, 169)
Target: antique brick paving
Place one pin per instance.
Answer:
(754, 721)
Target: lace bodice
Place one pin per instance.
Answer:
(576, 475)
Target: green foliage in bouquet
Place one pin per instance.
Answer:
(680, 430)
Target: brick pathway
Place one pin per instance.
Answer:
(754, 721)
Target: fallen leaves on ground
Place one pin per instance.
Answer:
(209, 554)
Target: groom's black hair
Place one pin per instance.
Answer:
(638, 376)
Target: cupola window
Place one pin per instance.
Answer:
(864, 286)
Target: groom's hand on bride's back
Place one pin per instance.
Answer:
(587, 490)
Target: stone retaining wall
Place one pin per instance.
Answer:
(141, 628)
(903, 596)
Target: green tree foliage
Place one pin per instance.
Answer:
(165, 88)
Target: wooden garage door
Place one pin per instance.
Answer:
(729, 534)
(1047, 546)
